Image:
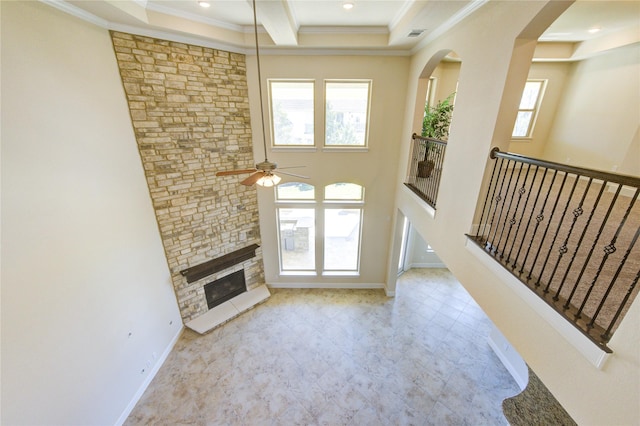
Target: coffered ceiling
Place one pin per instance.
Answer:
(391, 26)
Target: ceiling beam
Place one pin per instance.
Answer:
(277, 20)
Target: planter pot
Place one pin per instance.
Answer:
(425, 168)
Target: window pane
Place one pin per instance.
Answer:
(297, 239)
(343, 191)
(530, 94)
(521, 128)
(292, 112)
(347, 106)
(341, 239)
(295, 191)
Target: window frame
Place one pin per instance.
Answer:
(272, 126)
(332, 205)
(320, 205)
(347, 147)
(534, 111)
(306, 206)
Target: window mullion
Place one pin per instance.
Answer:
(320, 236)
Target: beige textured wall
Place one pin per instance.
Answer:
(88, 309)
(599, 115)
(375, 169)
(190, 113)
(556, 74)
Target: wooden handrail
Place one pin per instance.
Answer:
(596, 174)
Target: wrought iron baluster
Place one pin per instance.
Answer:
(440, 167)
(546, 229)
(595, 242)
(577, 212)
(584, 232)
(499, 199)
(539, 218)
(506, 216)
(615, 278)
(484, 207)
(495, 199)
(607, 334)
(609, 250)
(430, 180)
(524, 210)
(553, 242)
(513, 220)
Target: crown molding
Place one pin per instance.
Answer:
(77, 12)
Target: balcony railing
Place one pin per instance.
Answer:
(569, 234)
(427, 157)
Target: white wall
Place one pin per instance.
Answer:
(494, 69)
(418, 253)
(375, 169)
(599, 114)
(86, 293)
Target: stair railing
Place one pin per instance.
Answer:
(569, 234)
(425, 169)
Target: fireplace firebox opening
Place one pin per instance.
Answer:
(225, 288)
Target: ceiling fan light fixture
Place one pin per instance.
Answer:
(269, 180)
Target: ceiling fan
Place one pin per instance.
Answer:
(262, 174)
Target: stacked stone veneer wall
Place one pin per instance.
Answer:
(190, 113)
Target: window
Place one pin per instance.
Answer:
(342, 227)
(528, 109)
(292, 113)
(340, 216)
(344, 191)
(297, 239)
(296, 226)
(346, 113)
(342, 239)
(295, 191)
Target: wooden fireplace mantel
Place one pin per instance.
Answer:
(218, 264)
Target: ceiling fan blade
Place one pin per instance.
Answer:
(290, 167)
(235, 172)
(253, 178)
(293, 174)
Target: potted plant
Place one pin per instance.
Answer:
(435, 125)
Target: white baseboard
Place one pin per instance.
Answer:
(511, 360)
(352, 286)
(143, 387)
(427, 265)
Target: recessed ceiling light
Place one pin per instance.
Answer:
(594, 30)
(347, 5)
(204, 4)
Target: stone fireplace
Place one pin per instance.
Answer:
(189, 109)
